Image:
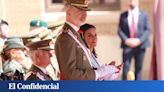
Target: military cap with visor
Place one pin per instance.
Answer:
(41, 45)
(81, 4)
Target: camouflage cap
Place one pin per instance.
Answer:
(81, 4)
(41, 45)
(39, 23)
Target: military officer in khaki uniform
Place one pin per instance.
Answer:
(41, 57)
(73, 57)
(39, 31)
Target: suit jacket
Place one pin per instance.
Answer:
(36, 73)
(73, 62)
(143, 29)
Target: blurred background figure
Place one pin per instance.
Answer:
(34, 24)
(4, 32)
(4, 29)
(38, 29)
(89, 35)
(14, 54)
(134, 31)
(41, 57)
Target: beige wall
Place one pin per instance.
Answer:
(19, 12)
(144, 4)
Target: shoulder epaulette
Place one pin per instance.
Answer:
(31, 73)
(65, 29)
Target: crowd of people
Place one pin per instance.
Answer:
(71, 54)
(28, 57)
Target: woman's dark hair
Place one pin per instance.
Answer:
(83, 29)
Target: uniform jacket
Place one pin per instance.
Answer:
(143, 29)
(73, 63)
(13, 71)
(35, 73)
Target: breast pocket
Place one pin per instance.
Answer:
(82, 58)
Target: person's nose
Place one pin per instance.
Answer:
(94, 37)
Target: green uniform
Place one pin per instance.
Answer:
(36, 73)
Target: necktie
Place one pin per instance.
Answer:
(133, 31)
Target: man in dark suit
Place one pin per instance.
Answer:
(134, 31)
(73, 57)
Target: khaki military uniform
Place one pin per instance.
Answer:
(73, 62)
(43, 34)
(35, 73)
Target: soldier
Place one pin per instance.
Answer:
(40, 34)
(41, 57)
(38, 30)
(4, 29)
(73, 56)
(14, 55)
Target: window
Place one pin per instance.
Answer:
(96, 5)
(105, 5)
(54, 5)
(57, 1)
